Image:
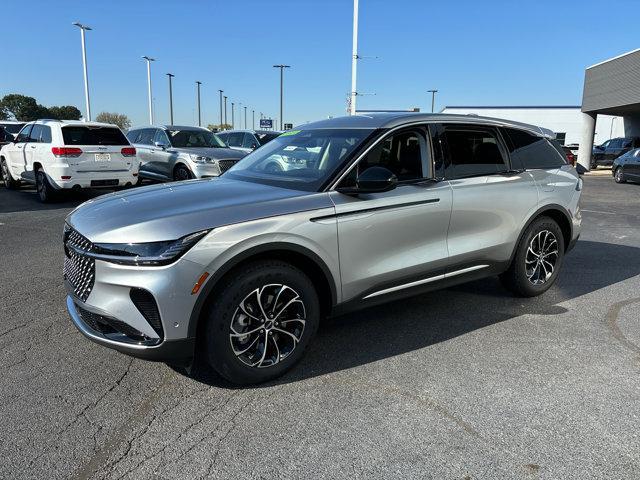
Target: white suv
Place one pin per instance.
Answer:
(60, 154)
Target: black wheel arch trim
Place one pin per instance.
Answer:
(536, 214)
(213, 281)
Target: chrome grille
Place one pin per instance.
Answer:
(225, 165)
(79, 270)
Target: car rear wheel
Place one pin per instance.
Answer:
(618, 175)
(181, 173)
(46, 193)
(260, 322)
(8, 180)
(537, 260)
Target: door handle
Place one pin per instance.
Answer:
(32, 146)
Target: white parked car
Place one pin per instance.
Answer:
(57, 155)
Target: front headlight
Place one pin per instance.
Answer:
(145, 254)
(200, 158)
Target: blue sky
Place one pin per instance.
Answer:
(490, 52)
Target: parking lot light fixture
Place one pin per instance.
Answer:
(198, 83)
(225, 111)
(84, 28)
(245, 116)
(220, 107)
(149, 60)
(170, 75)
(253, 119)
(281, 67)
(233, 122)
(433, 98)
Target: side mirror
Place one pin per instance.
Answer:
(161, 145)
(372, 180)
(253, 146)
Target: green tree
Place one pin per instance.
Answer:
(65, 112)
(22, 108)
(119, 119)
(218, 128)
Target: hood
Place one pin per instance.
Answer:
(219, 153)
(172, 210)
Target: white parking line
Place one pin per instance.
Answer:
(596, 211)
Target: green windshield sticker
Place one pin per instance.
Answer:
(290, 132)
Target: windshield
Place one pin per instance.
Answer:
(299, 159)
(266, 137)
(194, 139)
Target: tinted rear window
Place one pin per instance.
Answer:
(78, 135)
(530, 151)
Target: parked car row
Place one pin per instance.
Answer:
(627, 167)
(58, 155)
(606, 153)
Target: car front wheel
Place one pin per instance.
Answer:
(618, 176)
(261, 321)
(8, 180)
(537, 259)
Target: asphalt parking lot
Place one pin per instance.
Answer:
(467, 383)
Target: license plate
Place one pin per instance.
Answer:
(103, 157)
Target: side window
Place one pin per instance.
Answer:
(133, 135)
(473, 151)
(36, 131)
(23, 135)
(146, 136)
(626, 143)
(249, 141)
(161, 137)
(530, 151)
(235, 139)
(615, 143)
(223, 137)
(45, 137)
(406, 154)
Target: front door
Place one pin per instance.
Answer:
(16, 152)
(394, 240)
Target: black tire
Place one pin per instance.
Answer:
(46, 193)
(527, 277)
(8, 180)
(181, 173)
(246, 286)
(618, 176)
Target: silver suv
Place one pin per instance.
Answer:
(172, 152)
(241, 269)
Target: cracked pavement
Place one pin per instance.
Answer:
(469, 382)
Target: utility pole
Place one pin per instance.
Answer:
(282, 67)
(149, 60)
(220, 108)
(170, 75)
(198, 83)
(253, 119)
(225, 110)
(245, 116)
(84, 28)
(233, 122)
(433, 98)
(354, 60)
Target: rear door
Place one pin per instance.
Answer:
(491, 198)
(143, 142)
(613, 149)
(100, 148)
(632, 164)
(33, 152)
(162, 158)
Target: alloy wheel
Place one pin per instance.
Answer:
(619, 177)
(267, 325)
(541, 258)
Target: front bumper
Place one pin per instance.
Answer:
(180, 351)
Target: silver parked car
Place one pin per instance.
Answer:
(241, 269)
(247, 140)
(172, 152)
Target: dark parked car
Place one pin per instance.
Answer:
(606, 153)
(627, 167)
(8, 130)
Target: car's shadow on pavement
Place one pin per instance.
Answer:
(418, 322)
(25, 199)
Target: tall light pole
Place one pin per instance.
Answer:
(433, 98)
(149, 60)
(83, 28)
(354, 60)
(225, 110)
(198, 83)
(253, 119)
(239, 114)
(282, 67)
(245, 116)
(220, 108)
(233, 122)
(170, 75)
